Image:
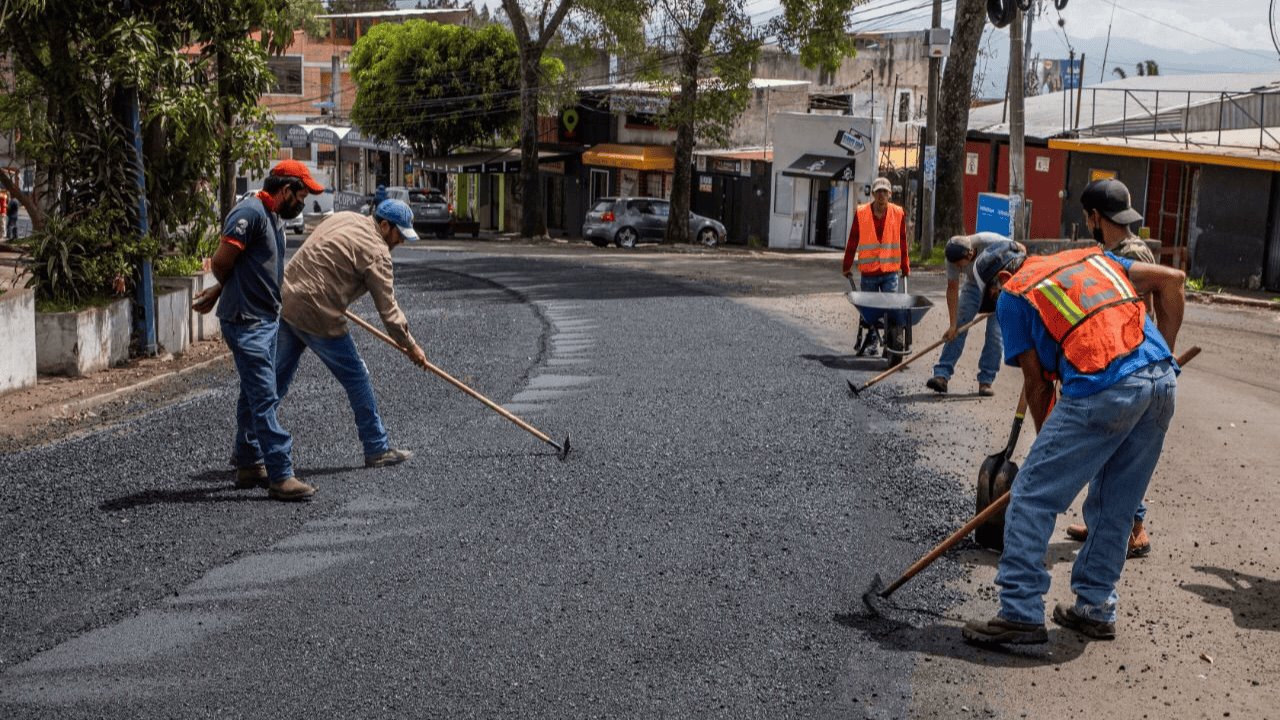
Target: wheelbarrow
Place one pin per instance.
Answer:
(902, 312)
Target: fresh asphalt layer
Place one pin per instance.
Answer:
(701, 553)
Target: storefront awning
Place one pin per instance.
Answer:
(821, 167)
(487, 161)
(632, 157)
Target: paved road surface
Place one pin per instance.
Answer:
(701, 554)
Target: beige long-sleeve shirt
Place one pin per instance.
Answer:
(344, 258)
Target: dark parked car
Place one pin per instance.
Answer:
(629, 221)
(432, 212)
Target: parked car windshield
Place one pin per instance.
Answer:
(426, 197)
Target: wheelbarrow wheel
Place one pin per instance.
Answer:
(895, 342)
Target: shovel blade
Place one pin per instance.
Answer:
(991, 533)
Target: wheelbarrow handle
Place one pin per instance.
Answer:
(902, 365)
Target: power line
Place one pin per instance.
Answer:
(1115, 4)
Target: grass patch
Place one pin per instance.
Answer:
(56, 306)
(179, 266)
(936, 258)
(1196, 284)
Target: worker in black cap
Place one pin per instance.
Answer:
(1109, 215)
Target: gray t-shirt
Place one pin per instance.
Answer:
(977, 243)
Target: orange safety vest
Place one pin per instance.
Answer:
(1086, 302)
(879, 255)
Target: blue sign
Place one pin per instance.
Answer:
(993, 214)
(1069, 72)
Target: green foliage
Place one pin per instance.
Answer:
(438, 86)
(1196, 284)
(75, 63)
(816, 29)
(72, 261)
(178, 266)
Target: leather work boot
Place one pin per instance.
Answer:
(985, 390)
(1139, 542)
(1066, 616)
(387, 457)
(998, 631)
(254, 476)
(291, 488)
(937, 383)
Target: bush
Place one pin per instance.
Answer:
(75, 261)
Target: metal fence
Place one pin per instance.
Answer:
(1186, 117)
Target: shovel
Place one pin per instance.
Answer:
(995, 477)
(993, 509)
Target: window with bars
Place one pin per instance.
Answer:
(288, 73)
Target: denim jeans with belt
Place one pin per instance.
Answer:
(992, 348)
(343, 360)
(876, 283)
(1110, 441)
(259, 437)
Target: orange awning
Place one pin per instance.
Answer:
(632, 157)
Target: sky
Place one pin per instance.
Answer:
(1181, 35)
(1186, 25)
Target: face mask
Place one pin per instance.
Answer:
(291, 209)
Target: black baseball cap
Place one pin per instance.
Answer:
(1111, 198)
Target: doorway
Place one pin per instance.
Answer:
(599, 185)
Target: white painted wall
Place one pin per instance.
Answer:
(795, 134)
(79, 343)
(18, 338)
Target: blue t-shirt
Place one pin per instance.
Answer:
(1022, 329)
(253, 290)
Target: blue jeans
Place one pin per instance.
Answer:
(343, 360)
(992, 348)
(259, 437)
(876, 283)
(1110, 441)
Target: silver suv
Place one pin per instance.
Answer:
(629, 221)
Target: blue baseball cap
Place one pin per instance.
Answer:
(397, 213)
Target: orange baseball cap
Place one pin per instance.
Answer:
(293, 168)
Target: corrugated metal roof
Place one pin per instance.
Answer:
(1107, 104)
(654, 88)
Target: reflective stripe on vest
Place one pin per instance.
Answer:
(1086, 302)
(879, 254)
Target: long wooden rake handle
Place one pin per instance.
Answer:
(902, 365)
(996, 506)
(435, 370)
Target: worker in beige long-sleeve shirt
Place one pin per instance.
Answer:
(346, 256)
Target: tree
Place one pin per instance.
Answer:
(955, 99)
(438, 86)
(76, 65)
(1147, 68)
(537, 24)
(1119, 72)
(705, 59)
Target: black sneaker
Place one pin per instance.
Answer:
(1066, 616)
(387, 457)
(871, 347)
(998, 631)
(937, 383)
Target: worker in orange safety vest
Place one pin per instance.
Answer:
(878, 244)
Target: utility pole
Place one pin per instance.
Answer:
(1017, 132)
(930, 149)
(145, 325)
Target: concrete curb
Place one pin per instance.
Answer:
(1226, 299)
(79, 406)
